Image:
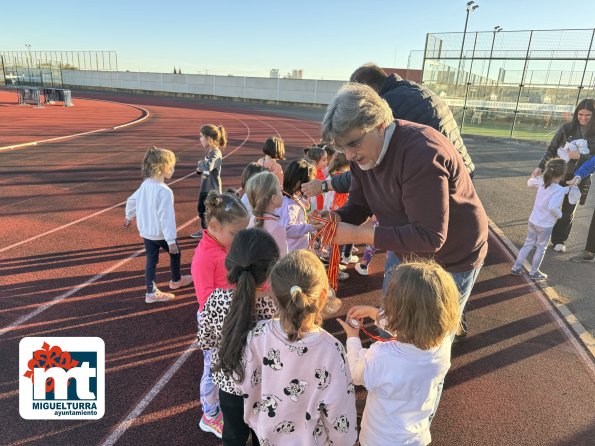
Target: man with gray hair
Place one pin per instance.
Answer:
(412, 179)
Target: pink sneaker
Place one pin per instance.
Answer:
(213, 425)
(184, 281)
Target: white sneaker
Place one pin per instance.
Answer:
(184, 281)
(158, 296)
(351, 259)
(362, 269)
(560, 248)
(343, 275)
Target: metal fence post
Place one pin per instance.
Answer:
(580, 87)
(521, 85)
(315, 90)
(468, 83)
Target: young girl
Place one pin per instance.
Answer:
(318, 157)
(214, 140)
(153, 205)
(403, 375)
(273, 149)
(225, 217)
(249, 171)
(229, 315)
(546, 210)
(293, 212)
(265, 196)
(297, 388)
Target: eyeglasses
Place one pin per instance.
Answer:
(353, 144)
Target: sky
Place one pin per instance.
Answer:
(327, 39)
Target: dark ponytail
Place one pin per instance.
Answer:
(249, 261)
(555, 168)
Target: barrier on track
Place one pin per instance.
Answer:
(51, 95)
(29, 95)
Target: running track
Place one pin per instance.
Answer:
(69, 269)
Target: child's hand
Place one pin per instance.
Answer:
(536, 172)
(126, 223)
(173, 248)
(360, 312)
(574, 155)
(350, 331)
(575, 181)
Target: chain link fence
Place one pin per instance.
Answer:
(518, 84)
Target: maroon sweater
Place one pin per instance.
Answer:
(424, 200)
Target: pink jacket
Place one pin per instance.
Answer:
(274, 167)
(208, 268)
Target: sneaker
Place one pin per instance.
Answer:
(351, 259)
(516, 271)
(343, 275)
(538, 275)
(158, 296)
(197, 234)
(559, 247)
(355, 249)
(184, 281)
(361, 268)
(585, 257)
(213, 425)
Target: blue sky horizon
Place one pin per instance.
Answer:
(326, 39)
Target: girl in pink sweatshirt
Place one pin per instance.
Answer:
(225, 217)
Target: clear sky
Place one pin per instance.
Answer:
(328, 39)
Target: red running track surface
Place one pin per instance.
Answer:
(67, 268)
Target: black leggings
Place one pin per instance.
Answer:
(235, 431)
(202, 197)
(563, 226)
(152, 250)
(590, 246)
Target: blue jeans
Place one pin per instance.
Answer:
(392, 261)
(537, 237)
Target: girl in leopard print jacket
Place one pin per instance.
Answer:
(228, 316)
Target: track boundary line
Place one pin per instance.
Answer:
(149, 396)
(77, 288)
(145, 115)
(550, 301)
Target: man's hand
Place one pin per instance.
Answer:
(126, 223)
(312, 188)
(173, 248)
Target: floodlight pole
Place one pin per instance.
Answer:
(497, 29)
(471, 6)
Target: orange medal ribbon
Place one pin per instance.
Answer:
(326, 236)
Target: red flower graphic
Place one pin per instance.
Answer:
(49, 357)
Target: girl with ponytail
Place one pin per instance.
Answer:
(229, 315)
(546, 211)
(265, 196)
(297, 388)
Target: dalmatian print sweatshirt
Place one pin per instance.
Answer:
(298, 393)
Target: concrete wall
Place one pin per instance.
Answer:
(303, 91)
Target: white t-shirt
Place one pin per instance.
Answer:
(402, 382)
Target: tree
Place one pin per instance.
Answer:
(174, 70)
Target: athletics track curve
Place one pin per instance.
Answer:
(71, 270)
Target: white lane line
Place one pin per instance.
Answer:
(548, 299)
(77, 288)
(140, 407)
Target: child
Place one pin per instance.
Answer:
(319, 158)
(214, 139)
(294, 209)
(403, 375)
(229, 315)
(249, 171)
(153, 205)
(546, 210)
(273, 149)
(297, 389)
(225, 217)
(265, 196)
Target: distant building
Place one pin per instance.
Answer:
(275, 73)
(297, 74)
(405, 73)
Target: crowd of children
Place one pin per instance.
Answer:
(270, 371)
